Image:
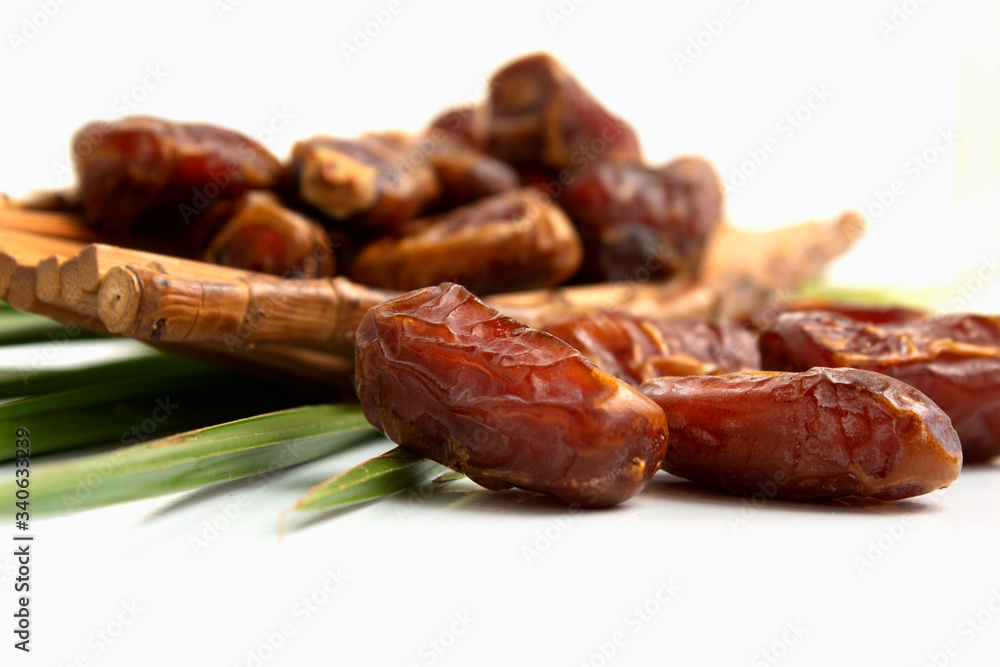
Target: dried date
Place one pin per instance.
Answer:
(962, 378)
(824, 433)
(467, 175)
(540, 117)
(375, 183)
(149, 176)
(444, 375)
(262, 235)
(636, 349)
(505, 243)
(639, 222)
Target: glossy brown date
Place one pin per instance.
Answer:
(510, 242)
(465, 125)
(962, 378)
(636, 349)
(861, 312)
(824, 433)
(262, 235)
(375, 183)
(639, 223)
(149, 176)
(540, 117)
(444, 375)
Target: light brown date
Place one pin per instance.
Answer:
(448, 377)
(824, 433)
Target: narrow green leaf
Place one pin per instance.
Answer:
(28, 382)
(126, 410)
(194, 459)
(381, 476)
(17, 327)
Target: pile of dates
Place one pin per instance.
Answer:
(538, 186)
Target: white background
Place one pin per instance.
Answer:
(889, 584)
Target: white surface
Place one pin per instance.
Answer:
(933, 559)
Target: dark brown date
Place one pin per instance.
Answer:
(466, 175)
(149, 176)
(505, 243)
(641, 223)
(969, 328)
(636, 349)
(375, 183)
(825, 433)
(262, 235)
(465, 125)
(443, 374)
(962, 378)
(540, 117)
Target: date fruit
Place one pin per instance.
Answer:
(510, 242)
(466, 175)
(448, 377)
(149, 176)
(375, 183)
(262, 235)
(824, 433)
(637, 349)
(962, 378)
(639, 223)
(540, 117)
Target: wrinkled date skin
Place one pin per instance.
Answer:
(374, 184)
(448, 377)
(505, 243)
(635, 349)
(962, 378)
(262, 235)
(149, 176)
(540, 117)
(825, 433)
(641, 223)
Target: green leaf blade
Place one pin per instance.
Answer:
(394, 471)
(194, 459)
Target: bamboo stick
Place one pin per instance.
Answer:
(47, 279)
(22, 288)
(18, 247)
(151, 305)
(70, 227)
